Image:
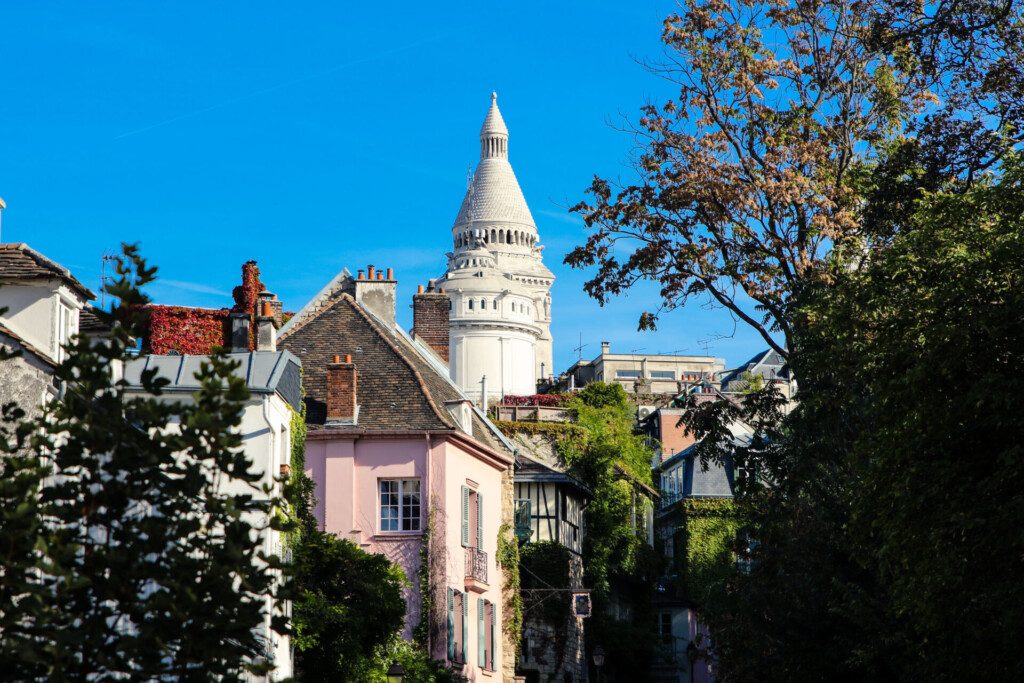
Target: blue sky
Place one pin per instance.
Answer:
(313, 136)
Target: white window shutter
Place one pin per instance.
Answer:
(465, 516)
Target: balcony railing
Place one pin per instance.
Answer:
(476, 565)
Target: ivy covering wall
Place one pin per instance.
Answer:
(704, 546)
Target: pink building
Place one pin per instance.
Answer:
(396, 450)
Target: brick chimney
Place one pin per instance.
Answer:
(266, 328)
(377, 292)
(430, 314)
(341, 391)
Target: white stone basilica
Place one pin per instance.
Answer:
(500, 289)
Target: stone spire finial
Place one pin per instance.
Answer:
(494, 133)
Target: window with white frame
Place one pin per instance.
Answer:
(399, 504)
(64, 330)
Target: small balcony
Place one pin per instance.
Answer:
(476, 570)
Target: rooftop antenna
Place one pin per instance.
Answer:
(579, 349)
(108, 257)
(706, 343)
(2, 207)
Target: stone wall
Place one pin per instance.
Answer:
(26, 380)
(556, 654)
(508, 639)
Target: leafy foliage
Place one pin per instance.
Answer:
(348, 603)
(545, 565)
(133, 560)
(708, 535)
(618, 564)
(752, 179)
(508, 559)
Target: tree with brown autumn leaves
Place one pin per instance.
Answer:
(752, 183)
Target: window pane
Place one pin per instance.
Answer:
(627, 373)
(389, 505)
(663, 374)
(411, 505)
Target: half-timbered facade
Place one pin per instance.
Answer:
(549, 506)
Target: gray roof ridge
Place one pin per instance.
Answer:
(314, 306)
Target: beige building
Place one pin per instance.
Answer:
(643, 373)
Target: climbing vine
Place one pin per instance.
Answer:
(555, 430)
(508, 560)
(708, 529)
(421, 633)
(184, 330)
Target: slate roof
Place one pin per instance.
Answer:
(399, 387)
(265, 372)
(20, 262)
(768, 364)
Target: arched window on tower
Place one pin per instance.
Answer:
(483, 304)
(508, 237)
(495, 302)
(471, 304)
(501, 237)
(493, 236)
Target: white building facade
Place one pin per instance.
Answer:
(498, 285)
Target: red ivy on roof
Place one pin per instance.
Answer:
(549, 400)
(196, 331)
(188, 331)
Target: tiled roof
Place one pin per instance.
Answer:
(18, 261)
(398, 389)
(89, 322)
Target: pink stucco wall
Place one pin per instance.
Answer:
(346, 472)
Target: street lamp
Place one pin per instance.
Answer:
(395, 673)
(598, 660)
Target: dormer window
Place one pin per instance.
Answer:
(462, 412)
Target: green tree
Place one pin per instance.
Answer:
(348, 603)
(613, 462)
(131, 561)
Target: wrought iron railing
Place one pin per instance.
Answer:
(476, 565)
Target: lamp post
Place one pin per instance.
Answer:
(395, 673)
(598, 660)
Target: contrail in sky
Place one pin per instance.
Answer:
(279, 86)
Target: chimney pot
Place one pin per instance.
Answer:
(369, 272)
(337, 358)
(268, 309)
(348, 357)
(359, 276)
(419, 289)
(380, 275)
(391, 274)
